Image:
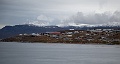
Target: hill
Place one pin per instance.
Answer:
(9, 31)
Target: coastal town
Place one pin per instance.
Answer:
(94, 36)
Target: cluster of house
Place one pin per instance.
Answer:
(82, 35)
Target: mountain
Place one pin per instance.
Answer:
(9, 31)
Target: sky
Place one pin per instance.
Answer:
(59, 12)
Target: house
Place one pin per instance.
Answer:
(76, 32)
(35, 34)
(20, 34)
(69, 35)
(55, 34)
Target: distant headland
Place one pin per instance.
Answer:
(93, 35)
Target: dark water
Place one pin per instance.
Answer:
(46, 53)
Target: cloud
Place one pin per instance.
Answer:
(42, 20)
(39, 23)
(102, 3)
(81, 19)
(1, 26)
(115, 17)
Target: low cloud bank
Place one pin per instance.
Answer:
(81, 19)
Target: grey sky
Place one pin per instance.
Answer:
(53, 11)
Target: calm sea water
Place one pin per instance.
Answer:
(46, 53)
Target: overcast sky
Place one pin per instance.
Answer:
(59, 12)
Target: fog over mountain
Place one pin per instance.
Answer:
(82, 19)
(94, 18)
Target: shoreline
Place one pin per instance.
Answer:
(63, 43)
